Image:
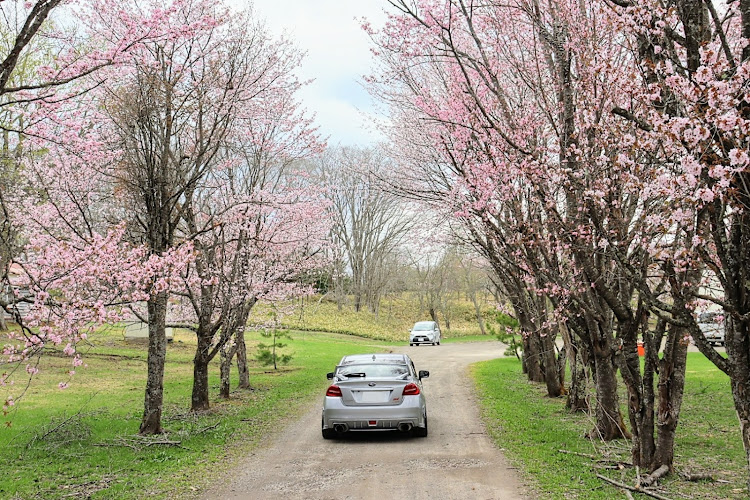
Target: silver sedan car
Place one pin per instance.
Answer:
(375, 392)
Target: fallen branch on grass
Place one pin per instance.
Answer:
(584, 455)
(700, 476)
(138, 443)
(210, 427)
(76, 416)
(599, 459)
(624, 486)
(655, 476)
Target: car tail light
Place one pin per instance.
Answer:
(335, 391)
(411, 389)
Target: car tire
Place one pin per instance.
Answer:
(421, 431)
(328, 433)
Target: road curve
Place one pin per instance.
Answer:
(457, 460)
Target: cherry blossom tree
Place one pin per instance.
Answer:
(516, 103)
(78, 266)
(692, 110)
(255, 228)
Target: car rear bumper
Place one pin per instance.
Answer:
(361, 418)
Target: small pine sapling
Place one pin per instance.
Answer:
(506, 331)
(267, 354)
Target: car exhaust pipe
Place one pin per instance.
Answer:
(404, 427)
(340, 428)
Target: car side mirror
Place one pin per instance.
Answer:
(329, 375)
(423, 374)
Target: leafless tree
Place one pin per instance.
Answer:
(369, 223)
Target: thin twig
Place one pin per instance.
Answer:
(208, 428)
(632, 488)
(585, 455)
(599, 459)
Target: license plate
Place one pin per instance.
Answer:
(375, 396)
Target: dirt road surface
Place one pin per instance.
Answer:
(457, 460)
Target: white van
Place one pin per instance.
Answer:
(712, 326)
(424, 332)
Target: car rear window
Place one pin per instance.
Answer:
(373, 370)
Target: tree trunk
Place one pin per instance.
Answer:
(531, 356)
(200, 398)
(641, 394)
(242, 370)
(672, 367)
(225, 368)
(609, 422)
(157, 351)
(551, 375)
(478, 312)
(578, 398)
(737, 343)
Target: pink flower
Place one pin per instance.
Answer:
(738, 157)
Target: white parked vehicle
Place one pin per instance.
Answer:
(424, 332)
(712, 326)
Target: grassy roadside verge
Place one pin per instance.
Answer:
(82, 442)
(532, 429)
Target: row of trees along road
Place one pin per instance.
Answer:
(148, 173)
(596, 153)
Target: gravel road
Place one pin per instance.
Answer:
(457, 460)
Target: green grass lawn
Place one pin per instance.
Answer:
(533, 428)
(82, 441)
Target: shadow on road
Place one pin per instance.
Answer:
(375, 437)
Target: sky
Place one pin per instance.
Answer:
(338, 56)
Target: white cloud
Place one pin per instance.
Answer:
(338, 55)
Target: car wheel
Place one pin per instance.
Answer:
(328, 433)
(421, 431)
